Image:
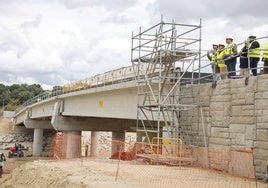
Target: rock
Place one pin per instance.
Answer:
(21, 139)
(9, 140)
(7, 146)
(1, 139)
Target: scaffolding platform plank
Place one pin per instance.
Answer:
(167, 57)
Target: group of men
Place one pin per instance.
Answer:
(223, 58)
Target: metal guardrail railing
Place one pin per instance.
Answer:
(38, 98)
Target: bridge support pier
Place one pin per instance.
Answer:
(38, 126)
(118, 138)
(94, 143)
(38, 142)
(73, 144)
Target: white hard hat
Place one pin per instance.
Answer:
(221, 44)
(229, 37)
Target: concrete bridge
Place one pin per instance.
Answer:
(105, 108)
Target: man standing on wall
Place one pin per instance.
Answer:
(212, 56)
(230, 57)
(220, 61)
(244, 71)
(253, 53)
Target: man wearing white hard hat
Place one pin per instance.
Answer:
(230, 56)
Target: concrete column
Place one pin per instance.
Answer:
(73, 144)
(38, 142)
(94, 143)
(117, 139)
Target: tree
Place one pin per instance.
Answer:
(4, 95)
(36, 89)
(15, 95)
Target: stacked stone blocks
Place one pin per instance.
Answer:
(235, 115)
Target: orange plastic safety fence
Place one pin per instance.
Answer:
(189, 167)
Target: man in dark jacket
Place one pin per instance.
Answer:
(244, 71)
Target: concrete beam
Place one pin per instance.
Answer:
(67, 123)
(37, 124)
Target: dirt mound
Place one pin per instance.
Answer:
(68, 174)
(125, 156)
(38, 174)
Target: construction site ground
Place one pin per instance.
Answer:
(44, 172)
(102, 173)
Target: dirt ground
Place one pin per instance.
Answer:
(104, 173)
(32, 172)
(14, 162)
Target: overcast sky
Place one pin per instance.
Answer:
(57, 42)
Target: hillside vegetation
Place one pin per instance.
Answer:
(15, 95)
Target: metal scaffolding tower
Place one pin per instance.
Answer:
(161, 56)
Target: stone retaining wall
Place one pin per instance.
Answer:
(235, 116)
(26, 139)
